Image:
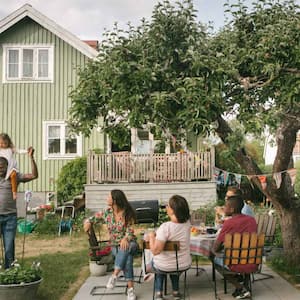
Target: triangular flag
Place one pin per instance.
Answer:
(263, 181)
(278, 179)
(292, 172)
(250, 180)
(238, 178)
(226, 177)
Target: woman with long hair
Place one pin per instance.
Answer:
(119, 218)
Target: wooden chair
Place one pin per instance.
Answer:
(169, 246)
(97, 245)
(266, 224)
(240, 249)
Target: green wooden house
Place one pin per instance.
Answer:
(38, 62)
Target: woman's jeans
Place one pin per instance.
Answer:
(160, 277)
(8, 224)
(124, 262)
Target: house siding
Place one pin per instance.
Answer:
(24, 106)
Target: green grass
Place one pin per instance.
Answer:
(59, 271)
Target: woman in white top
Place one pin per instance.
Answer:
(177, 229)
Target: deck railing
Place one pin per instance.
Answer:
(158, 167)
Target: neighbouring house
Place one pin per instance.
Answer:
(270, 149)
(39, 61)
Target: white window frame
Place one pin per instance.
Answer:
(62, 155)
(35, 48)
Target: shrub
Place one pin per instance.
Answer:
(71, 180)
(48, 225)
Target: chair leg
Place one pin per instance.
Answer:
(214, 279)
(225, 284)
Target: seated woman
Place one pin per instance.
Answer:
(177, 229)
(119, 218)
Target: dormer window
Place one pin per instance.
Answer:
(28, 63)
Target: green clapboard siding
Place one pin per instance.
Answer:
(24, 106)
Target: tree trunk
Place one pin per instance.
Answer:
(285, 202)
(290, 229)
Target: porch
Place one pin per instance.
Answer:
(151, 177)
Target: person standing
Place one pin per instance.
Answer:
(119, 218)
(8, 206)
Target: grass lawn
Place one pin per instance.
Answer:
(64, 262)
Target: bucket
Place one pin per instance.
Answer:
(25, 227)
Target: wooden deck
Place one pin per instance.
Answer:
(120, 167)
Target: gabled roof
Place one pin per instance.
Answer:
(28, 11)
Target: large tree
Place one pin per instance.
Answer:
(179, 76)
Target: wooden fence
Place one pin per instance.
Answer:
(158, 167)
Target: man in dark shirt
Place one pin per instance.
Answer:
(8, 207)
(237, 223)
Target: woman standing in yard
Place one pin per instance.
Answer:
(119, 218)
(177, 229)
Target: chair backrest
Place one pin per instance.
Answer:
(198, 217)
(266, 224)
(92, 237)
(243, 248)
(169, 246)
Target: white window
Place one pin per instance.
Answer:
(27, 63)
(58, 143)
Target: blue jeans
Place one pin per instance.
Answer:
(8, 225)
(160, 278)
(124, 262)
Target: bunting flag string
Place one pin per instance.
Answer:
(225, 177)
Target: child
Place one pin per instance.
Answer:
(7, 151)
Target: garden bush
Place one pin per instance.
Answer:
(71, 180)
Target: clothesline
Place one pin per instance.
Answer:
(249, 175)
(277, 176)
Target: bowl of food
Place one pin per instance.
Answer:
(195, 231)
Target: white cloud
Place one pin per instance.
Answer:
(88, 18)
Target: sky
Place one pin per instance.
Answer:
(87, 19)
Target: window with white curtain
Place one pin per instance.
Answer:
(27, 63)
(59, 143)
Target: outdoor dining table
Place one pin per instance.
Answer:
(201, 244)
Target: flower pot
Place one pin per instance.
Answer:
(97, 269)
(26, 291)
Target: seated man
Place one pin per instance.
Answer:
(237, 223)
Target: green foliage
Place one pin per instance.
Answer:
(176, 76)
(283, 265)
(71, 179)
(67, 265)
(19, 274)
(48, 225)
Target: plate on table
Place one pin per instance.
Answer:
(207, 235)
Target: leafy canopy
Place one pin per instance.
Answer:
(176, 75)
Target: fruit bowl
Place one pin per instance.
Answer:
(195, 231)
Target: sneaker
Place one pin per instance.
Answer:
(176, 295)
(236, 292)
(158, 296)
(111, 282)
(130, 294)
(148, 277)
(243, 294)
